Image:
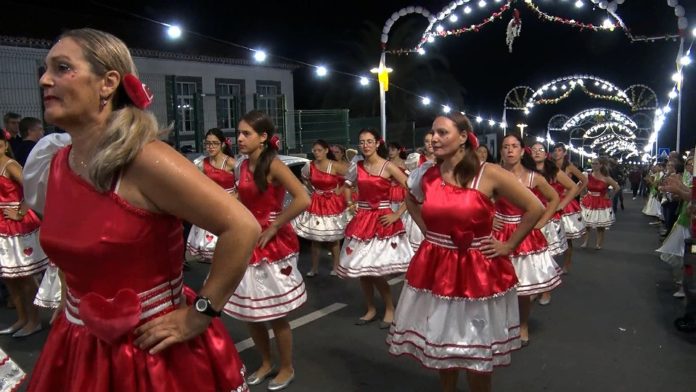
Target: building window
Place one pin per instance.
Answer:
(229, 104)
(186, 95)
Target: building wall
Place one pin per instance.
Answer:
(20, 69)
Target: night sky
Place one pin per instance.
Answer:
(344, 36)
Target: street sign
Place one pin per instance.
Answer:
(663, 152)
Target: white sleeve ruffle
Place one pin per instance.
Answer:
(414, 181)
(37, 168)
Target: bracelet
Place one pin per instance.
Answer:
(20, 213)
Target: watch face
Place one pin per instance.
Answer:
(201, 305)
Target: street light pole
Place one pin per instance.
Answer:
(383, 77)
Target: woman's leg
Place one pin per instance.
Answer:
(448, 380)
(259, 334)
(367, 284)
(600, 237)
(385, 292)
(15, 289)
(316, 251)
(525, 305)
(479, 382)
(335, 253)
(283, 336)
(568, 257)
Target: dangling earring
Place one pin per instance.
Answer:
(102, 104)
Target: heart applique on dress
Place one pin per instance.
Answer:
(209, 237)
(286, 270)
(28, 251)
(110, 319)
(349, 250)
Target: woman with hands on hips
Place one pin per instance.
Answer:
(113, 203)
(458, 308)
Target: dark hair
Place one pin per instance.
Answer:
(343, 151)
(489, 156)
(550, 169)
(526, 160)
(11, 116)
(260, 122)
(467, 168)
(381, 149)
(221, 137)
(402, 151)
(26, 124)
(324, 144)
(566, 160)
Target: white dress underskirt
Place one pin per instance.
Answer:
(201, 243)
(321, 228)
(598, 218)
(554, 233)
(21, 255)
(49, 293)
(537, 273)
(268, 291)
(375, 257)
(455, 333)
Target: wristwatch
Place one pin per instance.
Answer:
(203, 305)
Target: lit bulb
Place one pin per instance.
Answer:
(491, 122)
(322, 71)
(478, 119)
(421, 51)
(425, 101)
(579, 4)
(364, 81)
(453, 18)
(174, 31)
(686, 60)
(607, 24)
(259, 56)
(439, 29)
(673, 94)
(467, 10)
(482, 3)
(431, 39)
(446, 109)
(667, 109)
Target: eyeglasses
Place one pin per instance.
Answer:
(212, 144)
(370, 142)
(539, 149)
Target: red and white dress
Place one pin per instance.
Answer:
(458, 308)
(201, 242)
(325, 219)
(371, 249)
(272, 285)
(122, 268)
(535, 268)
(20, 251)
(573, 223)
(596, 208)
(11, 375)
(553, 231)
(49, 293)
(397, 195)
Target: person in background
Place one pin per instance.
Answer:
(339, 152)
(11, 122)
(484, 155)
(634, 177)
(31, 129)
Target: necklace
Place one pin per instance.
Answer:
(76, 164)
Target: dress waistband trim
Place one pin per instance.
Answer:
(153, 301)
(369, 206)
(508, 218)
(445, 240)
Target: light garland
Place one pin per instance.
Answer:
(603, 114)
(609, 126)
(569, 146)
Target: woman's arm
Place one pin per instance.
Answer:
(582, 177)
(552, 200)
(570, 187)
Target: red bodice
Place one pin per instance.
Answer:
(103, 244)
(10, 191)
(397, 193)
(372, 189)
(596, 197)
(449, 262)
(597, 186)
(11, 195)
(221, 177)
(325, 201)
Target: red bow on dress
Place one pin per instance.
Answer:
(462, 238)
(137, 91)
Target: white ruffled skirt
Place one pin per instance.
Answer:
(321, 228)
(268, 291)
(598, 218)
(555, 237)
(49, 293)
(21, 255)
(413, 232)
(537, 273)
(573, 225)
(11, 375)
(653, 207)
(201, 243)
(455, 333)
(375, 257)
(672, 249)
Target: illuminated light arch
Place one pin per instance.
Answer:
(598, 115)
(610, 128)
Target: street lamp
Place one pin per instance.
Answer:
(383, 72)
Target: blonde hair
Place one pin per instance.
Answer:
(129, 128)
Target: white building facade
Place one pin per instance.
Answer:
(194, 93)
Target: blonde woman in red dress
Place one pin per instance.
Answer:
(458, 308)
(324, 221)
(219, 167)
(114, 200)
(272, 286)
(21, 255)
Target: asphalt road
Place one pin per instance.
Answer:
(608, 328)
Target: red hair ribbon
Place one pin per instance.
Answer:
(402, 149)
(137, 91)
(528, 151)
(274, 143)
(6, 135)
(473, 140)
(228, 141)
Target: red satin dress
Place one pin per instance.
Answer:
(272, 286)
(596, 208)
(324, 220)
(123, 267)
(573, 224)
(370, 248)
(534, 265)
(201, 242)
(553, 230)
(458, 308)
(397, 193)
(20, 252)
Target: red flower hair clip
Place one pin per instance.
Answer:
(274, 143)
(473, 140)
(137, 91)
